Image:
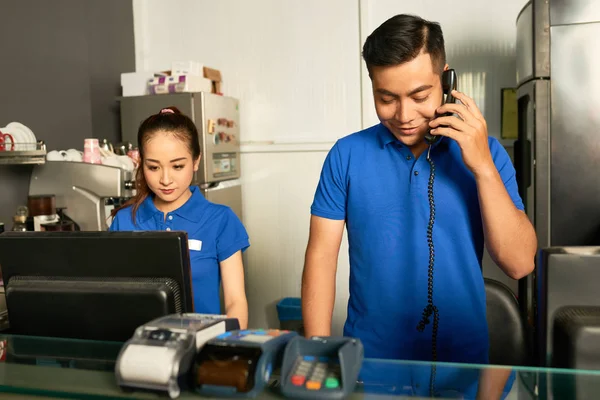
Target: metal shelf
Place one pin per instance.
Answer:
(24, 157)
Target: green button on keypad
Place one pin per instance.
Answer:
(332, 383)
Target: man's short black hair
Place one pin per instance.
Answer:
(401, 39)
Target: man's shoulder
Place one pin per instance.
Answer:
(358, 140)
(363, 136)
(497, 150)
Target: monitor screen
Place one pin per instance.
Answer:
(93, 285)
(565, 277)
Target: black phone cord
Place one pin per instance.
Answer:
(431, 309)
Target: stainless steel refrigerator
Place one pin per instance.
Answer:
(218, 121)
(557, 154)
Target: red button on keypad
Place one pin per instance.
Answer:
(298, 380)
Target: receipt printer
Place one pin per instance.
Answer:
(159, 355)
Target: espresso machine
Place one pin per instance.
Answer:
(217, 119)
(84, 191)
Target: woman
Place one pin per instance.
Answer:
(169, 155)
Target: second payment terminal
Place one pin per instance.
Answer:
(159, 355)
(239, 363)
(321, 367)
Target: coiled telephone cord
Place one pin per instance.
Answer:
(430, 308)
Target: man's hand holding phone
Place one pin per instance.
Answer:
(469, 130)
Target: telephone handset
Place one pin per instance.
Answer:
(449, 83)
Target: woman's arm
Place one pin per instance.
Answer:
(234, 291)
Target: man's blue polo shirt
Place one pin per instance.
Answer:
(215, 230)
(374, 183)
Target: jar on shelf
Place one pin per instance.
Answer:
(20, 219)
(19, 224)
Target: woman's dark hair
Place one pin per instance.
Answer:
(170, 120)
(401, 38)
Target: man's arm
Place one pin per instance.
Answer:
(509, 235)
(318, 277)
(492, 382)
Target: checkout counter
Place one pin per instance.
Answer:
(63, 368)
(78, 368)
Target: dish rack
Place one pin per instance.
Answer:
(32, 153)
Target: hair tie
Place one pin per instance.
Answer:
(167, 111)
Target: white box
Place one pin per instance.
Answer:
(158, 85)
(135, 83)
(187, 68)
(188, 83)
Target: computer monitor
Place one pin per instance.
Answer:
(565, 277)
(93, 285)
(567, 320)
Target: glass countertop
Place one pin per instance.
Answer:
(66, 368)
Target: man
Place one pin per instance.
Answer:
(376, 183)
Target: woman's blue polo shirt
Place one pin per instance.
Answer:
(216, 232)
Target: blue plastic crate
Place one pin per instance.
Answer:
(289, 309)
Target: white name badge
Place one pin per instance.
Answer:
(195, 245)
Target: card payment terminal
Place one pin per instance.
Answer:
(159, 355)
(239, 363)
(321, 367)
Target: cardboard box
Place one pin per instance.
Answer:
(188, 83)
(215, 76)
(171, 82)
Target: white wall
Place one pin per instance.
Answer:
(278, 192)
(296, 68)
(294, 65)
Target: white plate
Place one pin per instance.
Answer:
(28, 138)
(29, 132)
